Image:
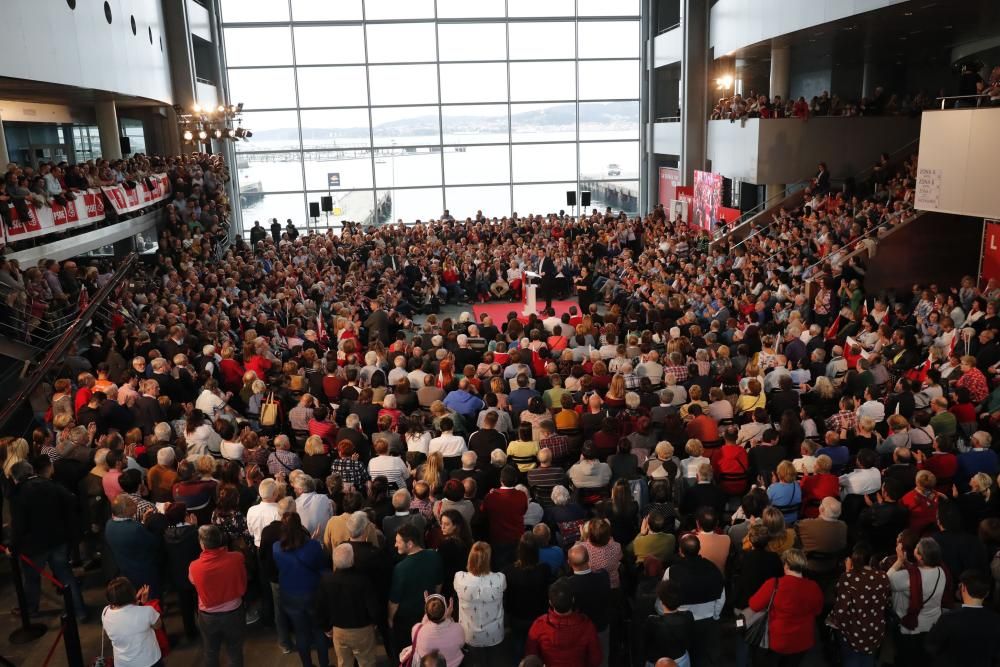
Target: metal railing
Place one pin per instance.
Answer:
(668, 28)
(982, 99)
(855, 247)
(66, 338)
(667, 119)
(860, 177)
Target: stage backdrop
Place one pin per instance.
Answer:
(707, 198)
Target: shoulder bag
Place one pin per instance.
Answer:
(756, 633)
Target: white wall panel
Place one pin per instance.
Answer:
(48, 41)
(958, 148)
(738, 23)
(668, 47)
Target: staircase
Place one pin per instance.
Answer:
(33, 348)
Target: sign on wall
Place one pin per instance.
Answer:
(670, 178)
(989, 263)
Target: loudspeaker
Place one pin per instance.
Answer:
(727, 192)
(327, 204)
(126, 145)
(571, 198)
(313, 209)
(585, 198)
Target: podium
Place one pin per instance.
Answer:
(529, 290)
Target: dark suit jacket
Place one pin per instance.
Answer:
(136, 551)
(148, 413)
(967, 636)
(548, 271)
(378, 326)
(592, 592)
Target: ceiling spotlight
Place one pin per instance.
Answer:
(197, 108)
(202, 134)
(188, 136)
(218, 134)
(221, 108)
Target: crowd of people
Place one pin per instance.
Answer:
(702, 463)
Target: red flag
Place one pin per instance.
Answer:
(84, 299)
(864, 309)
(321, 330)
(831, 333)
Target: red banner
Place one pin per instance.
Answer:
(124, 200)
(729, 215)
(989, 267)
(86, 209)
(670, 178)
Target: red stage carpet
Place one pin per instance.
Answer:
(498, 310)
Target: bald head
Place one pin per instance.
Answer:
(578, 558)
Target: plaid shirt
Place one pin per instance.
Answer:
(351, 472)
(141, 505)
(557, 444)
(283, 460)
(680, 373)
(631, 381)
(843, 420)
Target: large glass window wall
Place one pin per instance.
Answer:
(400, 109)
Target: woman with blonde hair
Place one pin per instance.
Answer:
(499, 389)
(614, 399)
(784, 492)
(752, 397)
(694, 398)
(432, 472)
(480, 595)
(782, 538)
(62, 399)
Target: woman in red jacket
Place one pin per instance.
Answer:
(796, 604)
(922, 502)
(821, 484)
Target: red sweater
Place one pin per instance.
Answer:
(732, 461)
(219, 576)
(793, 614)
(504, 509)
(923, 510)
(944, 465)
(564, 641)
(814, 489)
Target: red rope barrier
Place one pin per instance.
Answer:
(52, 650)
(37, 569)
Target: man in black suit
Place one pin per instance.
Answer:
(970, 634)
(702, 590)
(275, 230)
(591, 590)
(547, 270)
(147, 409)
(377, 324)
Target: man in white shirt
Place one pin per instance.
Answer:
(399, 371)
(865, 479)
(551, 322)
(871, 408)
(650, 367)
(262, 515)
(449, 444)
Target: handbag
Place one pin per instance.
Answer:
(269, 411)
(406, 655)
(756, 633)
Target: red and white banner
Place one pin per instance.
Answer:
(86, 209)
(124, 200)
(670, 178)
(989, 266)
(707, 198)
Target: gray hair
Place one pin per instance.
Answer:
(304, 484)
(560, 495)
(829, 508)
(163, 432)
(401, 500)
(210, 536)
(101, 456)
(469, 458)
(498, 457)
(357, 524)
(352, 421)
(165, 456)
(282, 442)
(268, 489)
(343, 556)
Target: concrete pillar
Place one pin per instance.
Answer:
(4, 155)
(694, 85)
(107, 126)
(773, 193)
(781, 62)
(868, 75)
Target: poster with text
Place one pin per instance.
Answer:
(989, 266)
(670, 178)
